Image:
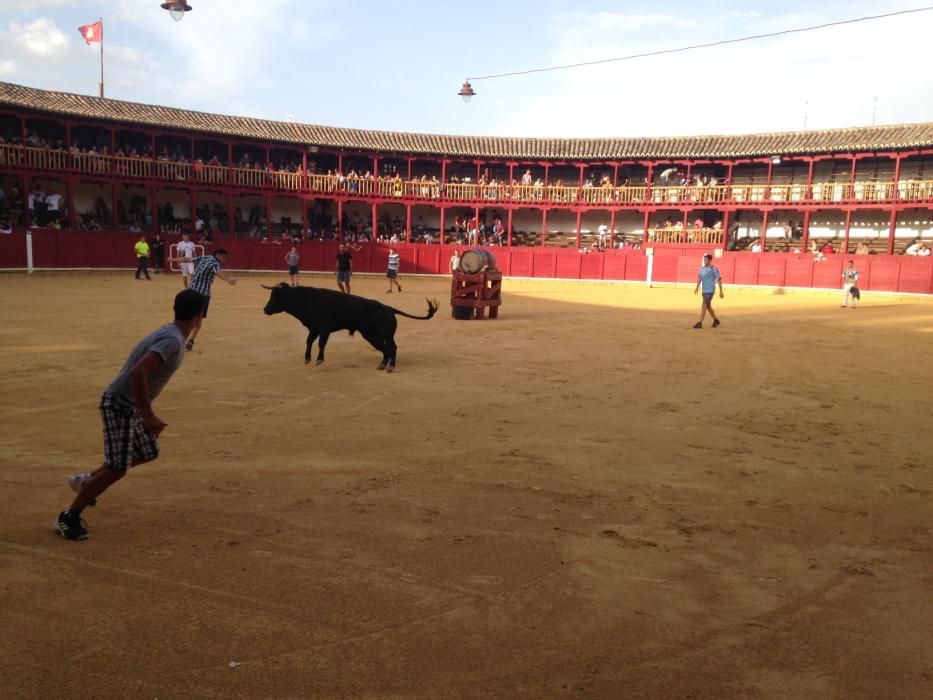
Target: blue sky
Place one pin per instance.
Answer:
(398, 66)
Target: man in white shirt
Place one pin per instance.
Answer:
(913, 248)
(185, 249)
(455, 261)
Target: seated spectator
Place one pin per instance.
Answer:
(861, 248)
(924, 251)
(827, 248)
(756, 246)
(913, 248)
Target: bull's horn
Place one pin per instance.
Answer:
(266, 286)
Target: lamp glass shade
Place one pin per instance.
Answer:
(177, 14)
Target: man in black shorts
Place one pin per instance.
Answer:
(344, 268)
(131, 427)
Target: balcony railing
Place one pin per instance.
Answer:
(15, 157)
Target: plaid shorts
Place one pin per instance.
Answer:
(125, 437)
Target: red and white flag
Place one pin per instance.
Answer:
(92, 33)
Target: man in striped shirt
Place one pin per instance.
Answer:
(205, 268)
(392, 270)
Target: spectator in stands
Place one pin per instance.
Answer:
(756, 246)
(602, 233)
(924, 250)
(913, 248)
(849, 280)
(827, 248)
(454, 263)
(861, 248)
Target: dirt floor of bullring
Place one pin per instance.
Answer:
(583, 498)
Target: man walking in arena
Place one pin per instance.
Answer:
(205, 268)
(850, 285)
(709, 277)
(131, 427)
(392, 270)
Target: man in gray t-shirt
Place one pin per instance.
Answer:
(131, 427)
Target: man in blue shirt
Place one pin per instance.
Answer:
(709, 277)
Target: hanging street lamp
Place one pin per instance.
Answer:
(177, 9)
(466, 92)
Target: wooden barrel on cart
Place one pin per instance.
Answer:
(476, 260)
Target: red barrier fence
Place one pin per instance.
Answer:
(53, 249)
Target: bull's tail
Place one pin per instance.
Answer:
(432, 309)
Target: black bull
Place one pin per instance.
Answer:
(323, 311)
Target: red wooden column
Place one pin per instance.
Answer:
(897, 176)
(892, 226)
(154, 194)
(805, 240)
(340, 164)
(509, 225)
(764, 232)
(443, 211)
(408, 220)
(543, 227)
(113, 203)
(725, 229)
(340, 219)
(809, 193)
(409, 168)
(268, 200)
(304, 218)
(649, 181)
(647, 223)
(612, 228)
(70, 203)
(767, 193)
(851, 193)
(375, 215)
(686, 223)
(194, 209)
(579, 225)
(444, 179)
(231, 223)
(845, 239)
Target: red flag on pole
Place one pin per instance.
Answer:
(93, 33)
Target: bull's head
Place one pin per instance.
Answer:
(278, 300)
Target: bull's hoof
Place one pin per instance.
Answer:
(390, 368)
(307, 361)
(382, 365)
(318, 362)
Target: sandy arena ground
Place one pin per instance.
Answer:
(585, 498)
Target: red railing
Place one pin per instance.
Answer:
(14, 157)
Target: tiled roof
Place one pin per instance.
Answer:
(860, 139)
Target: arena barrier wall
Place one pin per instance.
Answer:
(83, 250)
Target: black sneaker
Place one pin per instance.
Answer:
(71, 526)
(189, 345)
(697, 325)
(715, 323)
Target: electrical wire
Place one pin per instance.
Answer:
(694, 47)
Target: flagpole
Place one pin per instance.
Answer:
(101, 19)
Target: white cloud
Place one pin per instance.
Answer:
(33, 4)
(41, 38)
(748, 87)
(7, 67)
